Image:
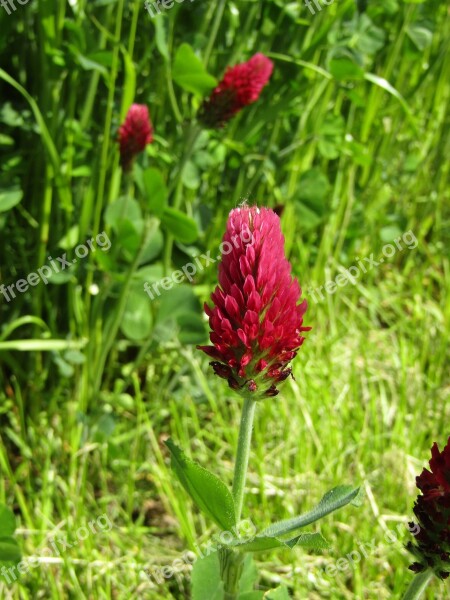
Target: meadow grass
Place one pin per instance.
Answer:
(356, 157)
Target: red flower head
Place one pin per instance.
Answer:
(240, 86)
(432, 510)
(134, 134)
(256, 321)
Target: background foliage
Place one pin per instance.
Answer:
(351, 136)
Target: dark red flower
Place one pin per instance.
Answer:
(257, 319)
(432, 509)
(240, 86)
(134, 134)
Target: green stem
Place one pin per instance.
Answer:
(172, 96)
(231, 567)
(107, 132)
(214, 31)
(91, 94)
(108, 121)
(191, 137)
(418, 585)
(5, 467)
(192, 133)
(231, 562)
(112, 328)
(96, 203)
(133, 28)
(243, 453)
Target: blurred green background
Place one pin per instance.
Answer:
(350, 140)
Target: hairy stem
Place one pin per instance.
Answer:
(231, 567)
(243, 453)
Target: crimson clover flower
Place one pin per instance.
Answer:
(134, 134)
(432, 509)
(257, 319)
(240, 86)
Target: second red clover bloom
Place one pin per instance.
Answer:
(134, 134)
(240, 86)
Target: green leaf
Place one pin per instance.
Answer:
(101, 57)
(389, 233)
(421, 37)
(153, 247)
(150, 274)
(190, 177)
(209, 493)
(336, 498)
(137, 318)
(345, 68)
(369, 37)
(280, 593)
(261, 543)
(89, 65)
(6, 140)
(182, 227)
(124, 208)
(309, 541)
(74, 357)
(9, 550)
(161, 37)
(82, 171)
(249, 576)
(10, 198)
(313, 191)
(125, 217)
(180, 300)
(206, 582)
(64, 368)
(44, 132)
(130, 235)
(331, 134)
(192, 329)
(359, 152)
(7, 521)
(179, 314)
(190, 74)
(11, 117)
(385, 85)
(155, 190)
(70, 238)
(307, 217)
(313, 188)
(129, 84)
(103, 429)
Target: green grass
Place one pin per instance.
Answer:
(355, 162)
